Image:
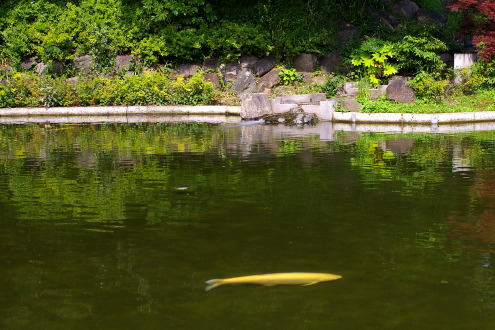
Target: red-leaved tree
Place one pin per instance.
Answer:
(479, 21)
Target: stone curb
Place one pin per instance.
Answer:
(344, 117)
(414, 118)
(123, 111)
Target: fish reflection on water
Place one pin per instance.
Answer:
(304, 279)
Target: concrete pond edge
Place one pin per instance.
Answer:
(122, 111)
(205, 110)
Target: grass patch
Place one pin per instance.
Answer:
(482, 101)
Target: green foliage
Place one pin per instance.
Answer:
(485, 70)
(148, 88)
(373, 57)
(193, 91)
(378, 106)
(472, 81)
(231, 40)
(332, 85)
(429, 86)
(289, 76)
(416, 54)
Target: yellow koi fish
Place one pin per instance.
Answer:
(304, 279)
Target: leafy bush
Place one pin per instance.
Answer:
(429, 87)
(231, 40)
(416, 54)
(332, 85)
(193, 91)
(373, 56)
(486, 70)
(289, 76)
(148, 88)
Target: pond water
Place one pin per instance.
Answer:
(117, 226)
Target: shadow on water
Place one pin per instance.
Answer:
(119, 226)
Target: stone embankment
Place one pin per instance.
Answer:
(258, 105)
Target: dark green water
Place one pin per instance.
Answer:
(119, 226)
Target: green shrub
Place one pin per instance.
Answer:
(192, 91)
(332, 85)
(417, 54)
(485, 70)
(148, 88)
(230, 40)
(373, 57)
(429, 87)
(289, 76)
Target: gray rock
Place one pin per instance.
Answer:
(264, 65)
(211, 63)
(331, 63)
(40, 67)
(318, 80)
(83, 64)
(305, 62)
(123, 62)
(350, 105)
(54, 67)
(406, 9)
(386, 19)
(431, 17)
(213, 78)
(72, 80)
(295, 116)
(28, 63)
(245, 83)
(187, 70)
(350, 88)
(317, 97)
(447, 58)
(6, 68)
(306, 77)
(346, 32)
(399, 91)
(3, 82)
(230, 72)
(269, 80)
(255, 105)
(248, 62)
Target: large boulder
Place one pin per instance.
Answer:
(350, 105)
(399, 91)
(305, 62)
(406, 9)
(54, 67)
(28, 63)
(123, 62)
(431, 17)
(268, 81)
(347, 31)
(255, 105)
(213, 78)
(245, 83)
(6, 68)
(187, 70)
(264, 65)
(230, 71)
(248, 62)
(211, 63)
(83, 64)
(386, 19)
(331, 63)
